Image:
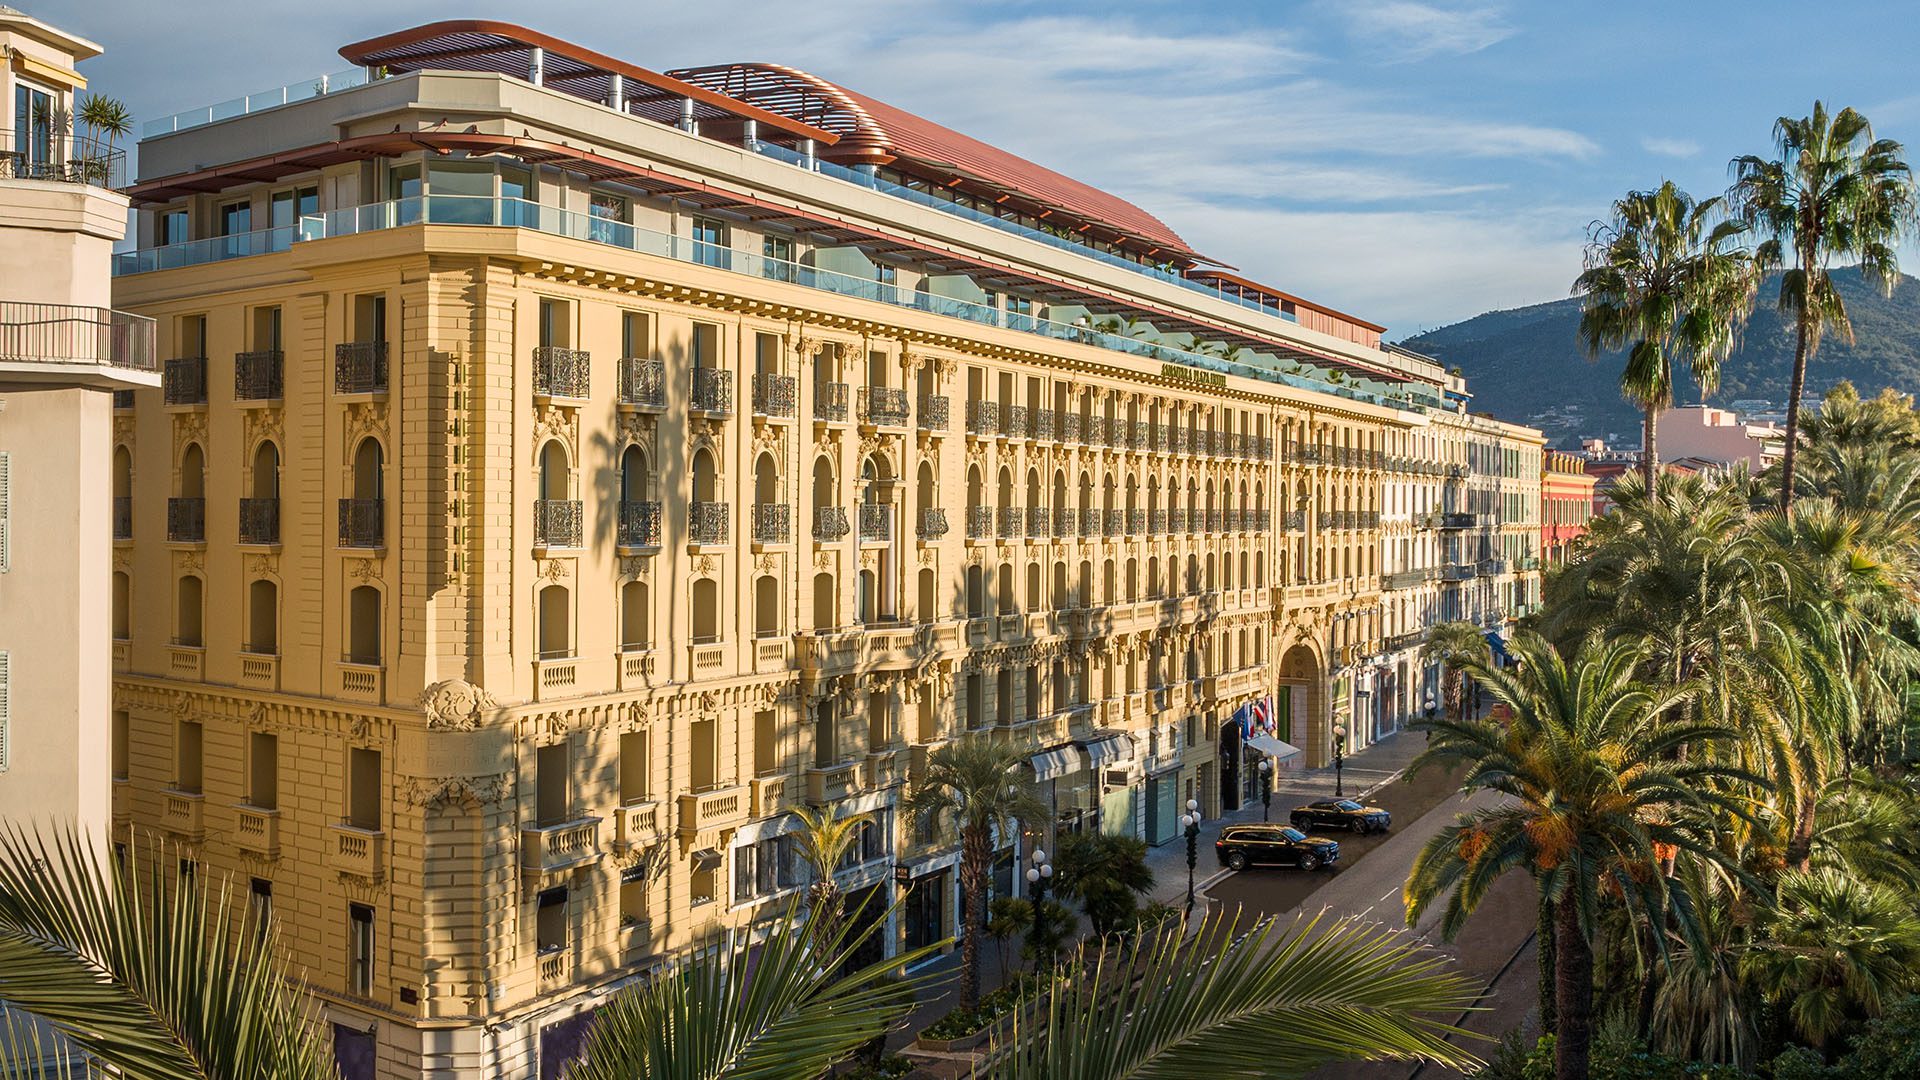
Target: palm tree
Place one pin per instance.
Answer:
(1596, 800)
(1832, 192)
(1104, 872)
(824, 841)
(1234, 1000)
(774, 1007)
(974, 785)
(105, 116)
(163, 984)
(1452, 645)
(1838, 950)
(1665, 279)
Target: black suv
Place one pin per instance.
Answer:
(1340, 814)
(1241, 846)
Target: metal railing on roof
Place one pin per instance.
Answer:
(519, 213)
(73, 334)
(47, 154)
(251, 103)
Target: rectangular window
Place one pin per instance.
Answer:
(263, 770)
(363, 788)
(34, 112)
(766, 743)
(706, 345)
(236, 218)
(607, 215)
(188, 757)
(633, 767)
(260, 904)
(556, 323)
(633, 895)
(266, 328)
(777, 258)
(171, 227)
(636, 337)
(286, 208)
(551, 797)
(710, 243)
(360, 955)
(550, 930)
(121, 722)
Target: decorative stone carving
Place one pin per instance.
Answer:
(456, 705)
(434, 792)
(554, 569)
(706, 566)
(363, 569)
(634, 566)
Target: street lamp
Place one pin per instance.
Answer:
(1037, 877)
(1431, 709)
(1339, 756)
(1266, 787)
(1191, 820)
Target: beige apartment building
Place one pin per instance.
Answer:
(564, 468)
(64, 353)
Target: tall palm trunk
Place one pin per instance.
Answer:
(1543, 938)
(1794, 387)
(976, 851)
(1650, 446)
(1573, 993)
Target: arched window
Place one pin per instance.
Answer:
(122, 605)
(263, 618)
(766, 606)
(266, 470)
(976, 592)
(188, 613)
(556, 478)
(1133, 580)
(706, 610)
(703, 476)
(1034, 597)
(193, 473)
(826, 607)
(363, 622)
(556, 623)
(868, 600)
(634, 620)
(368, 459)
(766, 481)
(929, 595)
(636, 481)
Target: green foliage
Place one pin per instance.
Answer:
(1618, 1059)
(1104, 872)
(960, 1021)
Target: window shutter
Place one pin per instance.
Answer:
(6, 758)
(4, 512)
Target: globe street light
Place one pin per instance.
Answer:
(1191, 820)
(1266, 787)
(1339, 756)
(1037, 877)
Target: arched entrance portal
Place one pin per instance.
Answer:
(1301, 708)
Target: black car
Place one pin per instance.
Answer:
(1241, 846)
(1340, 814)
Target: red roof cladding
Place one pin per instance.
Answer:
(873, 131)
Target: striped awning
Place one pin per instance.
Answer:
(1057, 762)
(1108, 750)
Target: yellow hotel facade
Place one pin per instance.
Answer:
(564, 468)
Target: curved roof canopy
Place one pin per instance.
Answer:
(875, 133)
(507, 49)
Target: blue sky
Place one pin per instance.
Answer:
(1413, 162)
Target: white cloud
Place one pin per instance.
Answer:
(1670, 147)
(1405, 30)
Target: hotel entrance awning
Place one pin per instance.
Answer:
(1282, 753)
(1057, 762)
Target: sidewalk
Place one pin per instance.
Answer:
(1361, 772)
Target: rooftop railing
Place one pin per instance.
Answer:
(70, 334)
(252, 103)
(46, 154)
(519, 213)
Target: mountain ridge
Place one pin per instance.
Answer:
(1525, 363)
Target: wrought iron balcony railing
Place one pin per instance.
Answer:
(561, 373)
(772, 523)
(558, 523)
(773, 396)
(979, 522)
(829, 523)
(830, 402)
(933, 523)
(259, 521)
(363, 523)
(933, 412)
(123, 517)
(1009, 521)
(883, 406)
(713, 391)
(1038, 521)
(1043, 424)
(876, 523)
(360, 367)
(643, 383)
(639, 525)
(184, 381)
(983, 417)
(187, 521)
(1013, 421)
(42, 151)
(257, 375)
(710, 522)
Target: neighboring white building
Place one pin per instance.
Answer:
(1718, 436)
(63, 351)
